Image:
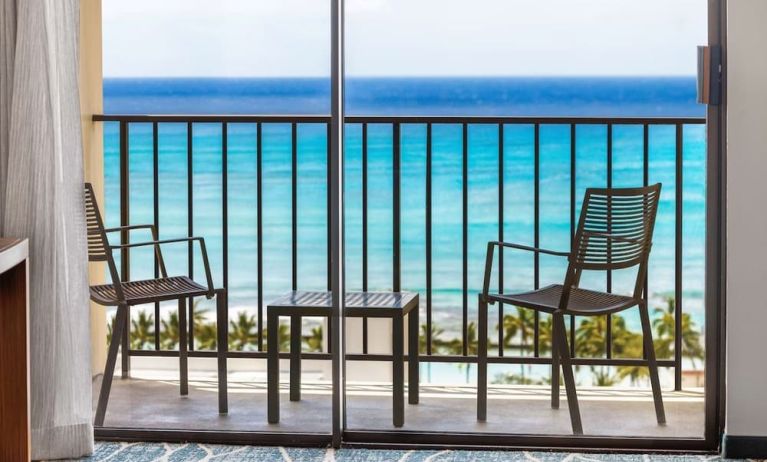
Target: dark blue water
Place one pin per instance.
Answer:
(540, 96)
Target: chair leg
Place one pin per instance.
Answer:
(183, 345)
(554, 368)
(567, 370)
(222, 349)
(125, 339)
(109, 368)
(295, 358)
(652, 364)
(482, 363)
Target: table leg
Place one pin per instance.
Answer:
(295, 358)
(273, 367)
(398, 367)
(413, 365)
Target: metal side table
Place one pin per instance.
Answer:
(296, 304)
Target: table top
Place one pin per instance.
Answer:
(12, 252)
(373, 304)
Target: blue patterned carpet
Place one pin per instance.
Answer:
(148, 452)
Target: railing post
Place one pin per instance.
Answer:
(396, 210)
(465, 237)
(156, 219)
(646, 182)
(190, 228)
(609, 328)
(294, 205)
(500, 235)
(224, 221)
(260, 237)
(125, 236)
(573, 182)
(428, 240)
(537, 231)
(678, 233)
(365, 229)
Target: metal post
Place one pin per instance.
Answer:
(337, 215)
(124, 238)
(678, 232)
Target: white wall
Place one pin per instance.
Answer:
(747, 218)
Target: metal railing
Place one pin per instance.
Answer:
(396, 122)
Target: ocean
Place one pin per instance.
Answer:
(549, 96)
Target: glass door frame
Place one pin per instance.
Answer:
(340, 435)
(714, 300)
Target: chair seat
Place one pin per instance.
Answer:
(582, 301)
(148, 291)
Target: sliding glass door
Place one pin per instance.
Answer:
(487, 121)
(347, 186)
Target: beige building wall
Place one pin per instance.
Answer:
(746, 217)
(91, 102)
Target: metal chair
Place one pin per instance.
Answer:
(126, 293)
(614, 232)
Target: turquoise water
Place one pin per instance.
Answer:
(572, 97)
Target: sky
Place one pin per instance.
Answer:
(290, 38)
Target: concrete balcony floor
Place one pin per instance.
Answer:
(151, 400)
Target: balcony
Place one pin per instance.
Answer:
(423, 196)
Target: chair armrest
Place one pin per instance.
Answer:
(489, 258)
(529, 248)
(131, 227)
(611, 237)
(153, 231)
(203, 251)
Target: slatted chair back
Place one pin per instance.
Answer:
(98, 243)
(98, 246)
(615, 231)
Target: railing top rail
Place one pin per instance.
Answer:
(422, 119)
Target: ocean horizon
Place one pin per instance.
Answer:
(550, 96)
(500, 96)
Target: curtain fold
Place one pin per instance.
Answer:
(7, 51)
(41, 177)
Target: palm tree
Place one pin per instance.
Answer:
(437, 343)
(591, 341)
(205, 335)
(455, 346)
(665, 327)
(110, 326)
(169, 333)
(523, 325)
(313, 341)
(243, 332)
(591, 337)
(142, 331)
(283, 336)
(628, 344)
(545, 332)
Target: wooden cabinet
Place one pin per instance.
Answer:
(14, 351)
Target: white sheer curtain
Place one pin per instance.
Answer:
(41, 177)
